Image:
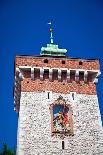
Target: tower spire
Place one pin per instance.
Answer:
(51, 36)
(52, 49)
(51, 33)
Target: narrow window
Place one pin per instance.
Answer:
(63, 76)
(81, 76)
(55, 75)
(46, 74)
(45, 61)
(63, 62)
(37, 73)
(48, 95)
(72, 76)
(80, 63)
(63, 145)
(73, 96)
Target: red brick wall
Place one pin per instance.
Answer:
(57, 63)
(28, 85)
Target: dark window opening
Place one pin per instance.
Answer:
(73, 96)
(63, 62)
(63, 145)
(81, 76)
(48, 95)
(36, 74)
(63, 76)
(80, 63)
(91, 76)
(55, 74)
(45, 61)
(72, 76)
(46, 74)
(27, 73)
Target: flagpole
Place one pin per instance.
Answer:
(51, 34)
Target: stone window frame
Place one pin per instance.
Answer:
(61, 101)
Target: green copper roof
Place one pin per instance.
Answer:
(52, 50)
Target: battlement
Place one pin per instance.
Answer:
(60, 75)
(56, 62)
(61, 69)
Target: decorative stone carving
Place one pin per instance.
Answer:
(61, 117)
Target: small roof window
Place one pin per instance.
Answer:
(63, 61)
(80, 63)
(46, 61)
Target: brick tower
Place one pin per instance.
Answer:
(57, 105)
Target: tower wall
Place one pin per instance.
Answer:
(34, 131)
(39, 83)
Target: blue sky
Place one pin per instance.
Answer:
(78, 27)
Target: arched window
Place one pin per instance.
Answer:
(61, 117)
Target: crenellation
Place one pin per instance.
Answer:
(55, 62)
(62, 74)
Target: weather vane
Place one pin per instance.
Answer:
(51, 33)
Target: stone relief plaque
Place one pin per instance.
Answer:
(61, 118)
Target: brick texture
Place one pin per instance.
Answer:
(28, 85)
(57, 63)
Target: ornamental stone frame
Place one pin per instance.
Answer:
(61, 101)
